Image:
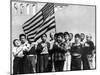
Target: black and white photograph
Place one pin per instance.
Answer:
(49, 37)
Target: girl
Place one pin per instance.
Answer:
(67, 49)
(59, 53)
(76, 53)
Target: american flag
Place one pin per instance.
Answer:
(42, 22)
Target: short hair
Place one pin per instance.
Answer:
(56, 34)
(44, 34)
(82, 34)
(66, 33)
(71, 34)
(77, 36)
(60, 34)
(51, 33)
(89, 35)
(14, 42)
(21, 36)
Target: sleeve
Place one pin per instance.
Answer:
(54, 49)
(72, 48)
(49, 48)
(39, 48)
(14, 51)
(92, 47)
(34, 44)
(33, 48)
(27, 47)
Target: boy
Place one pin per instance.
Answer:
(42, 54)
(27, 66)
(88, 49)
(18, 57)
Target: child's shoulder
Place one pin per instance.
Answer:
(14, 48)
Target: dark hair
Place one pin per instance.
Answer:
(60, 34)
(21, 36)
(82, 34)
(56, 34)
(14, 42)
(77, 36)
(44, 34)
(66, 33)
(51, 33)
(71, 34)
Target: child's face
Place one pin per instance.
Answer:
(44, 38)
(71, 36)
(60, 39)
(52, 35)
(88, 38)
(17, 43)
(23, 39)
(82, 36)
(77, 39)
(66, 37)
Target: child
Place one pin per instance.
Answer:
(82, 39)
(32, 56)
(27, 66)
(50, 58)
(76, 53)
(70, 36)
(67, 49)
(59, 53)
(87, 54)
(18, 57)
(42, 54)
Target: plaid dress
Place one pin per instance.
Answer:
(59, 52)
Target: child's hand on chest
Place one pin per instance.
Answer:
(87, 45)
(44, 45)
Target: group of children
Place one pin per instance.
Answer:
(57, 54)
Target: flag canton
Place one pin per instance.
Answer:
(48, 10)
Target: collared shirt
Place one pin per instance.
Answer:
(26, 46)
(18, 51)
(43, 48)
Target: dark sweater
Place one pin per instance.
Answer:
(88, 49)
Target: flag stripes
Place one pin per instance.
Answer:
(42, 22)
(46, 24)
(31, 21)
(39, 36)
(37, 24)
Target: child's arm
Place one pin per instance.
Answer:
(16, 51)
(27, 47)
